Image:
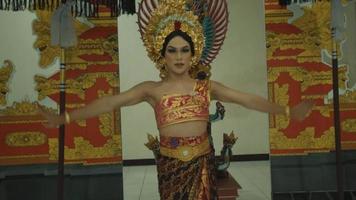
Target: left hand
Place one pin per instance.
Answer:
(53, 120)
(302, 110)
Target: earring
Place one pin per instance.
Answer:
(163, 73)
(162, 69)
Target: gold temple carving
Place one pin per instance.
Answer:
(76, 86)
(25, 139)
(5, 73)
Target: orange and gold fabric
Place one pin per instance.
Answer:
(178, 108)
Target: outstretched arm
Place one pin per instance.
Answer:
(250, 101)
(132, 96)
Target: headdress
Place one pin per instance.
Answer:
(205, 21)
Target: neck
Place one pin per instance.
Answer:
(176, 78)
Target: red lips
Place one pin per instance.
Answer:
(179, 64)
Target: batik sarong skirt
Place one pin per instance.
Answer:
(185, 167)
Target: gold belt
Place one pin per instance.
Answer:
(186, 153)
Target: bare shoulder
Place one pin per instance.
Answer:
(148, 88)
(149, 85)
(145, 85)
(215, 85)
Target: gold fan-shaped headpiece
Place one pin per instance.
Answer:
(205, 21)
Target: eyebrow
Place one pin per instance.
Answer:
(178, 47)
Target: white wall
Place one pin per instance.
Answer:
(16, 45)
(241, 65)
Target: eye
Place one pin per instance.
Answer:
(185, 50)
(171, 50)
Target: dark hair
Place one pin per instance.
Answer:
(173, 34)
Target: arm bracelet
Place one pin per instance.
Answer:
(67, 117)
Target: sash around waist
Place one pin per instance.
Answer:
(185, 148)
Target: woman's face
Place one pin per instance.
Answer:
(178, 56)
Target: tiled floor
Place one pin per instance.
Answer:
(140, 183)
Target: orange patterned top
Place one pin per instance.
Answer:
(178, 108)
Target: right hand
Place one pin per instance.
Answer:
(53, 120)
(302, 110)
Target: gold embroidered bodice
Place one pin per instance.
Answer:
(178, 108)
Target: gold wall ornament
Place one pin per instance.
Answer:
(314, 36)
(98, 46)
(316, 24)
(316, 78)
(84, 150)
(305, 140)
(296, 73)
(5, 73)
(281, 97)
(107, 124)
(104, 21)
(271, 97)
(110, 46)
(41, 28)
(45, 87)
(349, 125)
(21, 108)
(325, 111)
(308, 78)
(291, 42)
(281, 121)
(281, 94)
(48, 53)
(81, 123)
(349, 97)
(273, 74)
(25, 139)
(80, 66)
(277, 16)
(78, 86)
(112, 79)
(309, 44)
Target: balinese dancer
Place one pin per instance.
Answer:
(182, 37)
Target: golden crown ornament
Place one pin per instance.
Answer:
(205, 21)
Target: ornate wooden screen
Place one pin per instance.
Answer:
(92, 72)
(299, 67)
